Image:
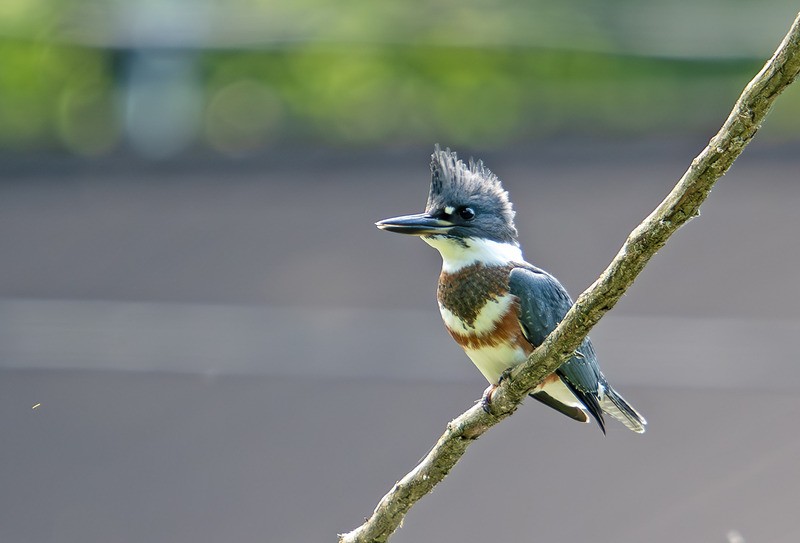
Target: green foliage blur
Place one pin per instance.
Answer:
(57, 93)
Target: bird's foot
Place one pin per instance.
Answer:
(486, 399)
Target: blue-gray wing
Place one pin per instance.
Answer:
(543, 302)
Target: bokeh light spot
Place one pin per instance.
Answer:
(242, 116)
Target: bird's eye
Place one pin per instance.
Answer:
(466, 213)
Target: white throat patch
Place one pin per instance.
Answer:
(456, 255)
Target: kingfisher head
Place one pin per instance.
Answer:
(468, 216)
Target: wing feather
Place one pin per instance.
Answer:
(543, 302)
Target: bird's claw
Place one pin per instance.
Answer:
(486, 399)
(505, 375)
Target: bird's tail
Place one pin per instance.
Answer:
(616, 406)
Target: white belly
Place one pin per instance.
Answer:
(493, 361)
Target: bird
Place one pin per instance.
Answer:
(494, 304)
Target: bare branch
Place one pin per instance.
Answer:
(678, 207)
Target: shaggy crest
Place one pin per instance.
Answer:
(454, 183)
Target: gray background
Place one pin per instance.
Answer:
(230, 351)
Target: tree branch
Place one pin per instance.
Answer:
(682, 204)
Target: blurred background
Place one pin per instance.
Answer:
(203, 338)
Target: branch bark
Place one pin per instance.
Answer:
(680, 205)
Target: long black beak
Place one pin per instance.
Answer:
(420, 224)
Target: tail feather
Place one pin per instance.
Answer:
(616, 406)
(591, 403)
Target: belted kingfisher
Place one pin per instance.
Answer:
(497, 306)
